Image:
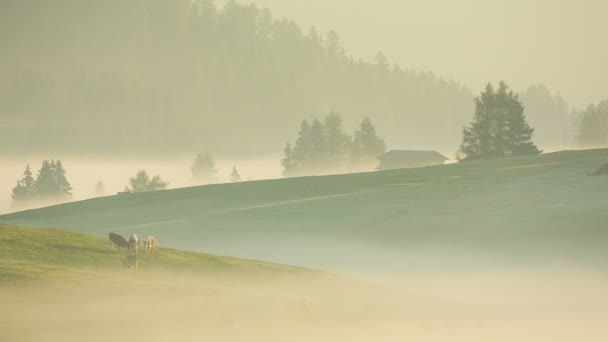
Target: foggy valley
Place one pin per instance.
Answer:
(265, 170)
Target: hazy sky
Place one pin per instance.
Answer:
(562, 43)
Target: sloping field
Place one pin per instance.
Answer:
(543, 208)
(63, 286)
(37, 254)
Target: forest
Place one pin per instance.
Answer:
(159, 77)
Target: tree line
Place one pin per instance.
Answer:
(50, 185)
(593, 125)
(323, 147)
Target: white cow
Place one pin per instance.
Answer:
(133, 243)
(150, 244)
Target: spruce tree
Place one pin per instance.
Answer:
(20, 196)
(318, 158)
(28, 181)
(45, 186)
(288, 163)
(499, 127)
(367, 146)
(303, 148)
(63, 186)
(337, 143)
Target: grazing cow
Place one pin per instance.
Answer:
(133, 243)
(149, 244)
(118, 240)
(130, 263)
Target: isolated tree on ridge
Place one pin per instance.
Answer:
(499, 127)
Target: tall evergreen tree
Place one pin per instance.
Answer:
(338, 143)
(20, 196)
(64, 189)
(318, 157)
(288, 163)
(45, 186)
(499, 127)
(302, 150)
(28, 181)
(367, 146)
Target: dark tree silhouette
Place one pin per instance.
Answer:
(367, 146)
(499, 127)
(46, 186)
(64, 189)
(141, 182)
(324, 147)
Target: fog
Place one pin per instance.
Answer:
(560, 44)
(83, 174)
(539, 305)
(111, 87)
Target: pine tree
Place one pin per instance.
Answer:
(235, 177)
(28, 181)
(45, 186)
(288, 163)
(63, 186)
(303, 148)
(318, 158)
(20, 196)
(337, 143)
(367, 146)
(499, 127)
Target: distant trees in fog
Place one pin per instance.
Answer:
(324, 147)
(593, 127)
(235, 177)
(203, 169)
(142, 182)
(499, 127)
(51, 185)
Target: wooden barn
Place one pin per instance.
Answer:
(403, 159)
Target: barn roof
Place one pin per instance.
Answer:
(407, 155)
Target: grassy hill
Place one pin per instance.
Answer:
(543, 208)
(62, 286)
(45, 254)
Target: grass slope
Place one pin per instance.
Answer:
(545, 205)
(44, 254)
